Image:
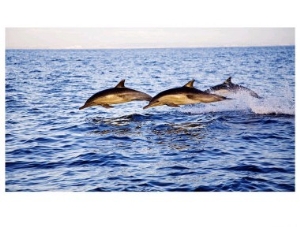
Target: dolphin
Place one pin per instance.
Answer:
(227, 86)
(116, 95)
(183, 96)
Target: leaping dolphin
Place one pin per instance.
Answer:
(227, 86)
(116, 95)
(183, 96)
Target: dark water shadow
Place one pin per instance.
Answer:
(163, 131)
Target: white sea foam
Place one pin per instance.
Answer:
(281, 102)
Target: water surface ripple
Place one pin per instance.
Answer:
(244, 144)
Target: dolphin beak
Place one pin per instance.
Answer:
(84, 106)
(146, 107)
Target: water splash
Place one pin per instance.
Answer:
(280, 103)
(273, 105)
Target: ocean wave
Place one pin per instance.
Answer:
(242, 144)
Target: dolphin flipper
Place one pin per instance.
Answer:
(172, 105)
(106, 106)
(208, 98)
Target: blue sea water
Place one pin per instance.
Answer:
(244, 144)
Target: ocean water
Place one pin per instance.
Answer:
(244, 144)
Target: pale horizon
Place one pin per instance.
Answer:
(136, 38)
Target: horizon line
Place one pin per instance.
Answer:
(134, 48)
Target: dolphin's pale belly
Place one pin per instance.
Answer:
(110, 99)
(181, 99)
(228, 91)
(222, 92)
(106, 98)
(121, 97)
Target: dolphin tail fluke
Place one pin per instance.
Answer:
(253, 94)
(141, 96)
(147, 97)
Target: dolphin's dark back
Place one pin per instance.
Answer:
(179, 90)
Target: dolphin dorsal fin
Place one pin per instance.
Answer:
(121, 84)
(228, 81)
(190, 84)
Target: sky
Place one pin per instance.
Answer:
(107, 38)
